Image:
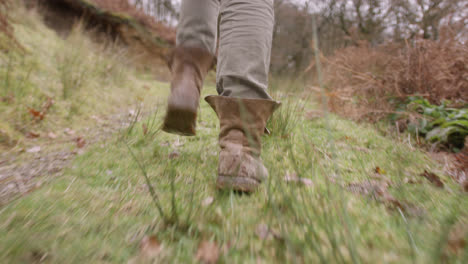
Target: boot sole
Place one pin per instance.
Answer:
(180, 121)
(239, 184)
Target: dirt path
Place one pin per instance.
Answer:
(23, 171)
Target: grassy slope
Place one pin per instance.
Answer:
(83, 78)
(100, 209)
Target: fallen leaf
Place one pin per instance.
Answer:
(411, 180)
(150, 247)
(145, 129)
(293, 178)
(264, 232)
(207, 201)
(208, 252)
(456, 244)
(34, 149)
(379, 190)
(52, 135)
(80, 142)
(47, 105)
(456, 240)
(433, 178)
(37, 115)
(177, 143)
(465, 185)
(378, 170)
(31, 134)
(174, 155)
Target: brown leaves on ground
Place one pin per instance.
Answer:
(31, 135)
(80, 142)
(433, 178)
(455, 165)
(207, 253)
(150, 247)
(39, 115)
(379, 190)
(456, 241)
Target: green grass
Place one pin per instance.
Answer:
(100, 209)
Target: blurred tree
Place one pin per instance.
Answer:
(342, 23)
(162, 10)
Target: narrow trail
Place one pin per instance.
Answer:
(23, 171)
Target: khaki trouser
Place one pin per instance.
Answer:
(246, 29)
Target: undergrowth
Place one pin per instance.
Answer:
(370, 83)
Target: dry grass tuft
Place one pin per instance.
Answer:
(5, 27)
(368, 82)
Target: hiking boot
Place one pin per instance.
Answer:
(189, 67)
(242, 124)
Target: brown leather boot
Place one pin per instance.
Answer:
(189, 67)
(242, 124)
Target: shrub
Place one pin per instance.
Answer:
(370, 82)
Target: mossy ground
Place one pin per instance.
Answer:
(100, 208)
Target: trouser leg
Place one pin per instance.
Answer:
(198, 24)
(246, 29)
(189, 64)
